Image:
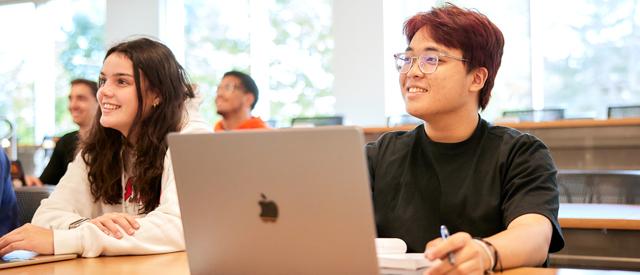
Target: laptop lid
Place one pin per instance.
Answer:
(288, 201)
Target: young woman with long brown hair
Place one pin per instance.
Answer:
(119, 196)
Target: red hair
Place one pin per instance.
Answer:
(480, 41)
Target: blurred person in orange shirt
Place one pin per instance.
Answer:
(236, 96)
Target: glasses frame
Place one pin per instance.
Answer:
(421, 65)
(229, 88)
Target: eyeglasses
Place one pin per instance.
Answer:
(428, 62)
(228, 88)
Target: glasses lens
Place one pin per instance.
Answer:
(428, 63)
(403, 63)
(225, 88)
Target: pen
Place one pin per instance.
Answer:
(444, 233)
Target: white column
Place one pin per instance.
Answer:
(171, 21)
(395, 14)
(260, 47)
(44, 83)
(358, 61)
(158, 19)
(127, 18)
(537, 56)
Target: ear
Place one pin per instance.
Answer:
(478, 77)
(155, 101)
(248, 99)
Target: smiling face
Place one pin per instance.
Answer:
(82, 105)
(448, 90)
(231, 97)
(117, 94)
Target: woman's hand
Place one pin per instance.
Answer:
(468, 256)
(109, 223)
(28, 237)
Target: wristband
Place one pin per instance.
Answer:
(487, 251)
(496, 255)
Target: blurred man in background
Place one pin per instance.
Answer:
(236, 96)
(82, 106)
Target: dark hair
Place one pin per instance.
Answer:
(247, 83)
(106, 150)
(92, 84)
(480, 40)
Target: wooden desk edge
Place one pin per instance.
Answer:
(582, 223)
(568, 123)
(574, 123)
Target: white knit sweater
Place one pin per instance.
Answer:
(160, 230)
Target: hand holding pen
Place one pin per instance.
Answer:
(457, 254)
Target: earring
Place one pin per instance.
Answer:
(155, 104)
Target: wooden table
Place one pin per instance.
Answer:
(599, 236)
(171, 263)
(599, 216)
(176, 264)
(599, 172)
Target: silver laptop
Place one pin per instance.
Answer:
(288, 201)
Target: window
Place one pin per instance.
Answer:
(50, 44)
(79, 52)
(591, 52)
(284, 45)
(16, 79)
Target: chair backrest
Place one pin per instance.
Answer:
(599, 186)
(393, 121)
(29, 200)
(623, 111)
(316, 121)
(536, 115)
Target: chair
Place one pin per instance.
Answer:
(623, 111)
(29, 200)
(599, 186)
(316, 121)
(536, 115)
(393, 121)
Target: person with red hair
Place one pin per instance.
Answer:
(493, 187)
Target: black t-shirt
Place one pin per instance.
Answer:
(63, 154)
(477, 186)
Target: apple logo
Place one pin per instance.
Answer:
(268, 209)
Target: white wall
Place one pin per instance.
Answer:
(358, 61)
(159, 19)
(126, 18)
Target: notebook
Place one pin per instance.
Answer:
(24, 257)
(286, 201)
(392, 254)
